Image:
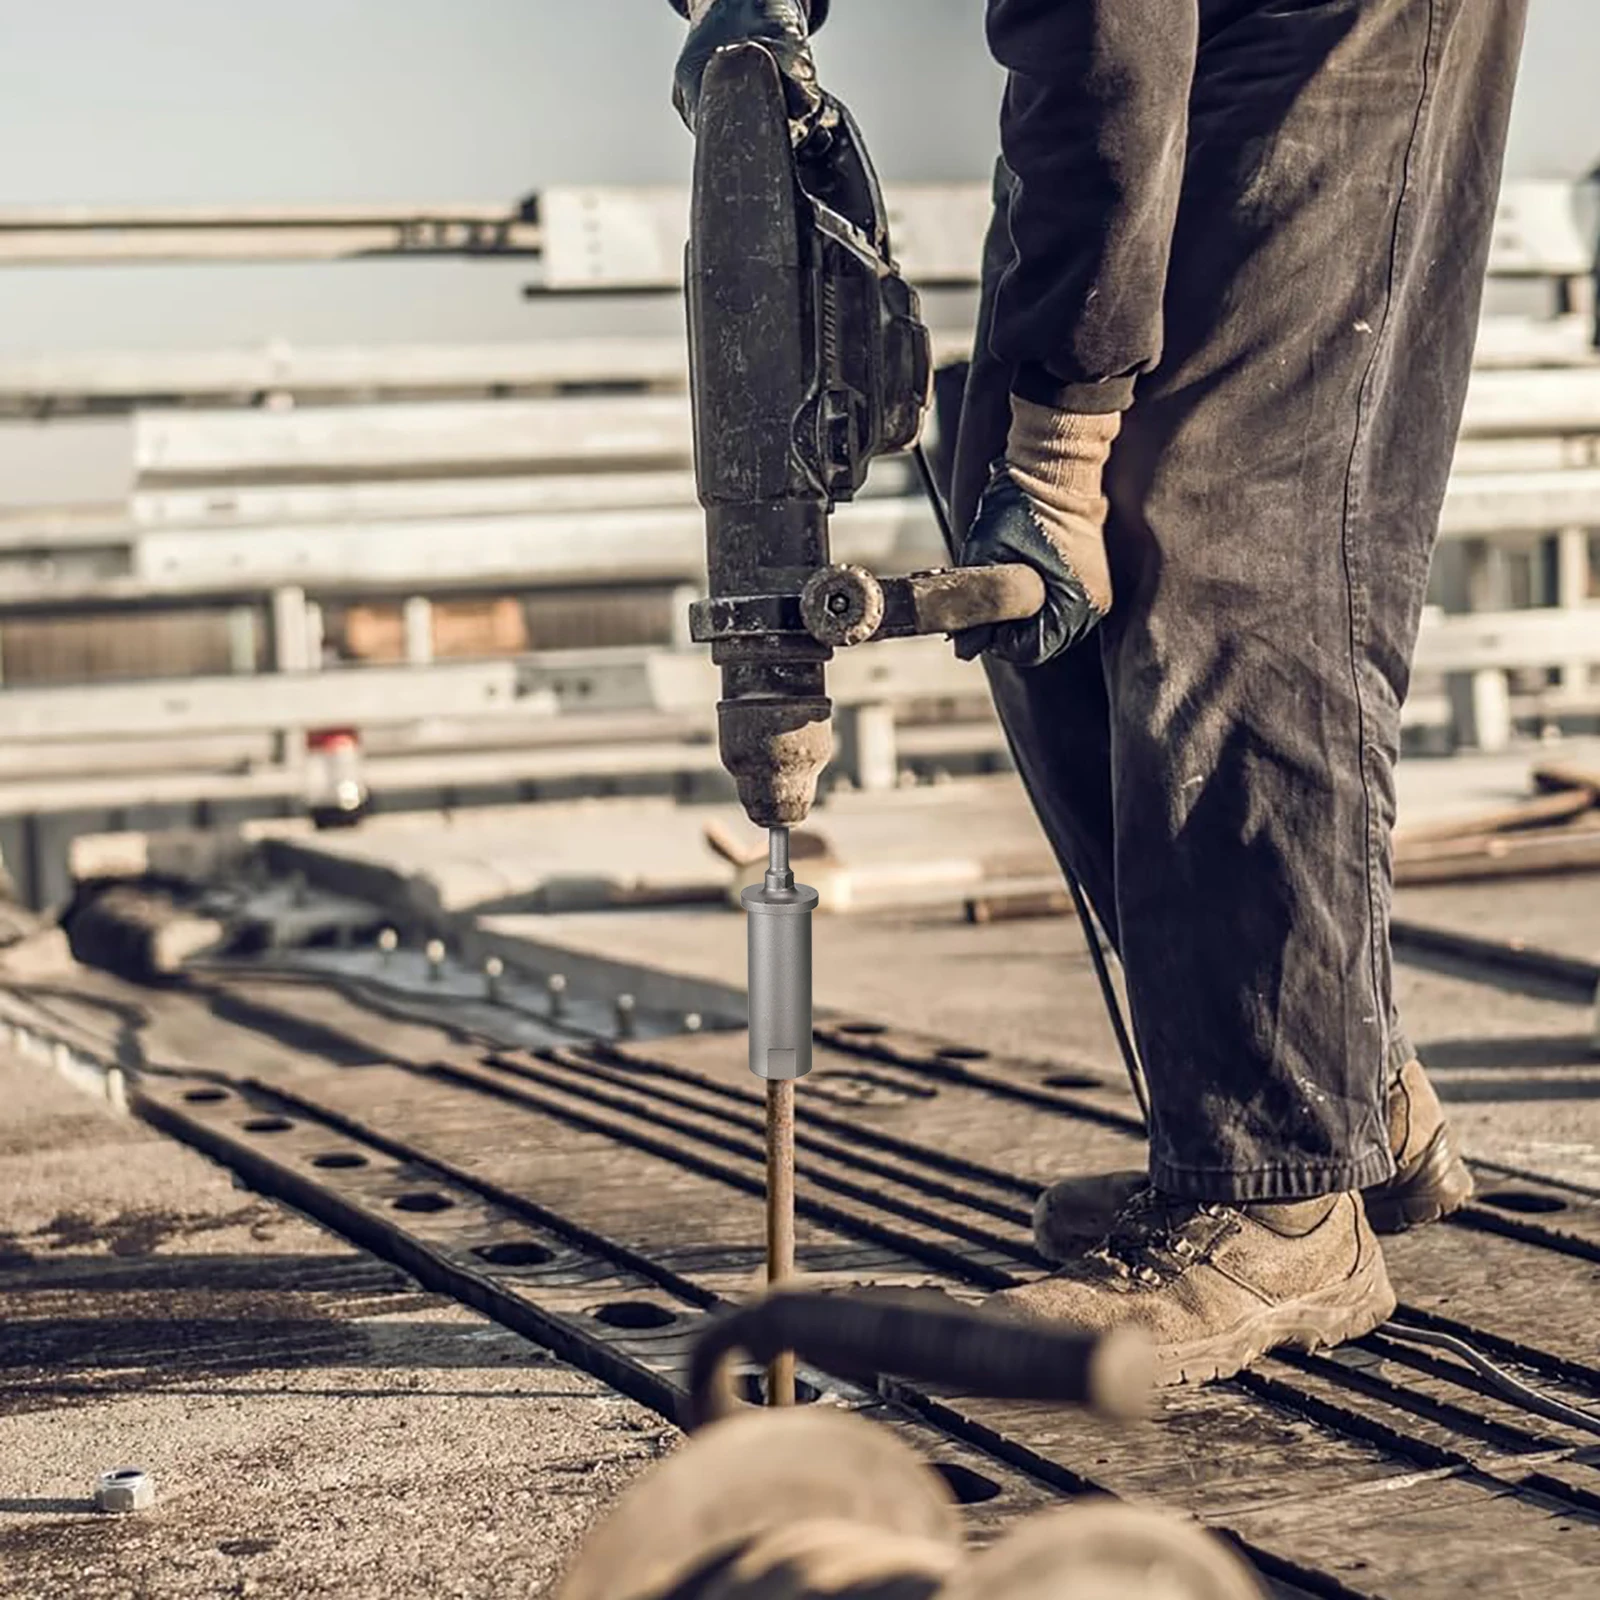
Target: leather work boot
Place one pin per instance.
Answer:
(1431, 1180)
(1215, 1286)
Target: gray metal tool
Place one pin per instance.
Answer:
(808, 358)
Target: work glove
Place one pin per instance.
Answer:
(783, 26)
(1043, 506)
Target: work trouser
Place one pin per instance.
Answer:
(1217, 765)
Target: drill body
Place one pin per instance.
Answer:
(808, 358)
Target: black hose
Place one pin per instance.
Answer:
(925, 1338)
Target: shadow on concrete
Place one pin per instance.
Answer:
(1537, 985)
(1529, 1052)
(298, 1033)
(1490, 1091)
(146, 1273)
(175, 1323)
(44, 1508)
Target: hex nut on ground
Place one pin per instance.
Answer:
(124, 1489)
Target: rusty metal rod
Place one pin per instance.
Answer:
(780, 1220)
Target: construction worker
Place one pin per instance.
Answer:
(1230, 295)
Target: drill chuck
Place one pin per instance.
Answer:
(779, 933)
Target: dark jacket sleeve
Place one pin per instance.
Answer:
(816, 10)
(1093, 129)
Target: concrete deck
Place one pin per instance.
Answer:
(315, 1424)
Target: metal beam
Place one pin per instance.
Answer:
(588, 686)
(421, 555)
(621, 239)
(1549, 400)
(1490, 640)
(332, 441)
(359, 696)
(62, 383)
(87, 236)
(375, 539)
(371, 441)
(1493, 504)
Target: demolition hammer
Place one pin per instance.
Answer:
(808, 358)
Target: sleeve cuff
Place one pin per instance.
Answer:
(1040, 385)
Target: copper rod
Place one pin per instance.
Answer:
(780, 1219)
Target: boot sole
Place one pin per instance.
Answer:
(1315, 1321)
(1437, 1184)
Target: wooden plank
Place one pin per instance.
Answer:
(1574, 848)
(1566, 800)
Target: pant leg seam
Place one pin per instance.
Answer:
(1354, 568)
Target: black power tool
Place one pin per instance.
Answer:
(808, 359)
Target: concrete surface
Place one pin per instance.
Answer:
(315, 1424)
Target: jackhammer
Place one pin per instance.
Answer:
(808, 359)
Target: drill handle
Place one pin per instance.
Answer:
(847, 605)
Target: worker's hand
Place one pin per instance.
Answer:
(1043, 506)
(783, 26)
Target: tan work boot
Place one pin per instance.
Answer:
(1431, 1180)
(1217, 1286)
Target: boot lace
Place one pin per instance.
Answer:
(1150, 1242)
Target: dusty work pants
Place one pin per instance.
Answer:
(1219, 767)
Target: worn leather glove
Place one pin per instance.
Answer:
(1043, 506)
(783, 26)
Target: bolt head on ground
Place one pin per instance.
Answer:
(124, 1489)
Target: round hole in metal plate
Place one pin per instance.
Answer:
(268, 1125)
(970, 1488)
(339, 1160)
(865, 1029)
(751, 1387)
(423, 1200)
(205, 1096)
(514, 1253)
(1524, 1201)
(638, 1314)
(961, 1052)
(1071, 1080)
(860, 1088)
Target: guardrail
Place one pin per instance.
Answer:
(280, 482)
